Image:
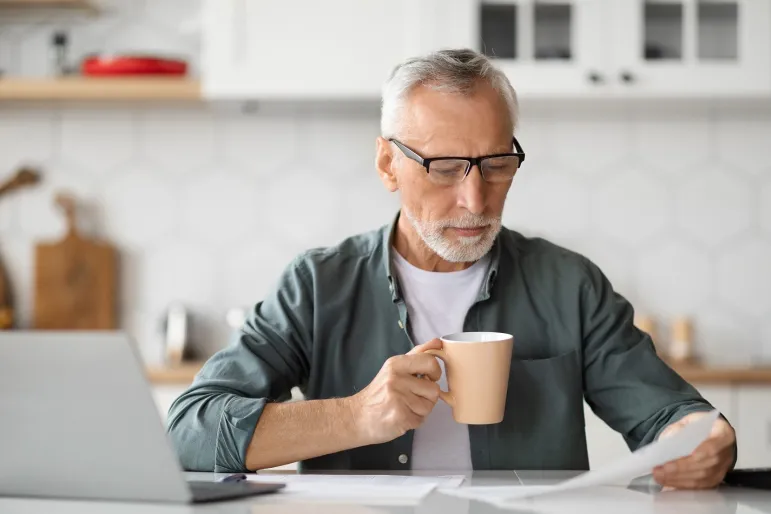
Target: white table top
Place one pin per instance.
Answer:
(642, 497)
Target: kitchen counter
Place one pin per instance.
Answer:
(173, 375)
(641, 497)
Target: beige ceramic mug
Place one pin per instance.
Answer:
(477, 366)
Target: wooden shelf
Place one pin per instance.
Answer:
(697, 374)
(82, 5)
(177, 375)
(100, 89)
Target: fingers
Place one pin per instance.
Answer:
(690, 484)
(417, 404)
(416, 364)
(698, 471)
(699, 479)
(434, 344)
(427, 389)
(691, 463)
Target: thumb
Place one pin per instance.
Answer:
(434, 344)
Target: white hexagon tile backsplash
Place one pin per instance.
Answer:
(205, 217)
(677, 275)
(744, 142)
(765, 207)
(662, 147)
(631, 206)
(208, 204)
(27, 137)
(550, 200)
(744, 280)
(97, 140)
(714, 205)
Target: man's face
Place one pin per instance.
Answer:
(458, 222)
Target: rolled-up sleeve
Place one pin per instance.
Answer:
(625, 382)
(212, 423)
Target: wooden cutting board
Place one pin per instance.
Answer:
(23, 178)
(75, 280)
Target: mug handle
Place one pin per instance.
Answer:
(444, 395)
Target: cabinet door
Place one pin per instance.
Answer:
(702, 48)
(753, 429)
(298, 49)
(548, 48)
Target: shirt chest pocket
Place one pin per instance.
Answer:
(545, 394)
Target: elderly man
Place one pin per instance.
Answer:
(345, 324)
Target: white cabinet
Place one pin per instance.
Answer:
(630, 48)
(692, 47)
(299, 49)
(547, 49)
(753, 426)
(345, 49)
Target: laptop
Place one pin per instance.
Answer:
(78, 420)
(754, 478)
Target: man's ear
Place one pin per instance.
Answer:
(384, 162)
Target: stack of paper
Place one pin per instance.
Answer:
(641, 462)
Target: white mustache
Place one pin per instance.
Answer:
(466, 221)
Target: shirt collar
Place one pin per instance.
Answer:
(393, 284)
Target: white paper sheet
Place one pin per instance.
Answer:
(603, 499)
(356, 494)
(357, 489)
(638, 463)
(439, 481)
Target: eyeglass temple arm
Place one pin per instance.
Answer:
(409, 153)
(519, 148)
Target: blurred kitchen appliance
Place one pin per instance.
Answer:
(235, 318)
(648, 325)
(59, 51)
(175, 334)
(681, 344)
(75, 280)
(22, 178)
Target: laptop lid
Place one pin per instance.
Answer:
(77, 420)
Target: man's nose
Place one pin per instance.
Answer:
(472, 192)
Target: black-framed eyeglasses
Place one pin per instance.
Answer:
(495, 169)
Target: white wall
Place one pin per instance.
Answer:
(208, 204)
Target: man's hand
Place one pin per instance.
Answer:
(707, 465)
(397, 400)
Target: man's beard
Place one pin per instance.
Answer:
(462, 249)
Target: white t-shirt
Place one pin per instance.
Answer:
(437, 304)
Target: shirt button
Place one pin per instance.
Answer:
(401, 325)
(403, 458)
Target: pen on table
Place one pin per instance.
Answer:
(237, 477)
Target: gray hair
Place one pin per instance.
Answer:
(452, 71)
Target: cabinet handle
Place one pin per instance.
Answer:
(595, 77)
(627, 77)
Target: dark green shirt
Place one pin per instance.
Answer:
(337, 314)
